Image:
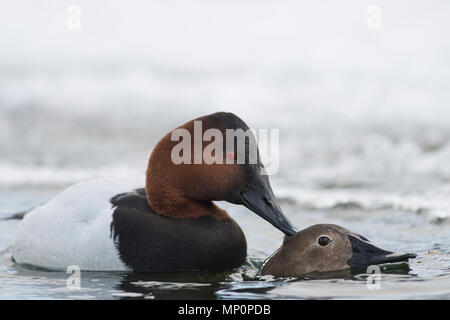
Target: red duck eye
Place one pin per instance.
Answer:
(230, 155)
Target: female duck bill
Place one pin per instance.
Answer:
(365, 254)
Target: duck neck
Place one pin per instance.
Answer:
(168, 200)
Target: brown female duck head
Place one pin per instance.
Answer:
(326, 248)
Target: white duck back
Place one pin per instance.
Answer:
(72, 229)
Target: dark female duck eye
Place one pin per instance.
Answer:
(323, 240)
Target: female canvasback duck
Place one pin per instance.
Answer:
(171, 225)
(326, 248)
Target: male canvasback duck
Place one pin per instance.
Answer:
(171, 225)
(326, 248)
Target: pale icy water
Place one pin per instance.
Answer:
(363, 118)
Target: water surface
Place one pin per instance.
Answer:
(428, 277)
